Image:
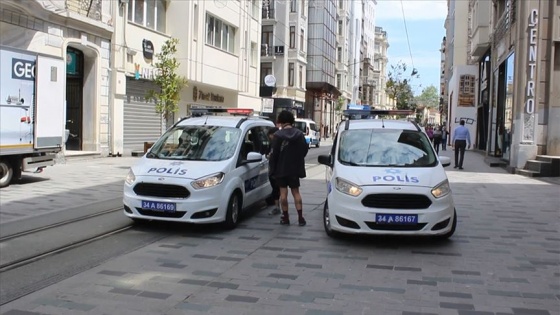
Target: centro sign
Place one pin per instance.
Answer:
(532, 62)
(23, 69)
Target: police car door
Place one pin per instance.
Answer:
(249, 171)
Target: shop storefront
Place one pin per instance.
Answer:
(198, 95)
(502, 109)
(141, 123)
(483, 110)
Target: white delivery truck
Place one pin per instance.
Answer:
(32, 112)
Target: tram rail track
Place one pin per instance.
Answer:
(25, 247)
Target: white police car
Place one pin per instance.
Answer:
(384, 177)
(202, 170)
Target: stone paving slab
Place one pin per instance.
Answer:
(503, 260)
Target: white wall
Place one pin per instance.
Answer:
(456, 113)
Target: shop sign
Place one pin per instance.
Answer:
(148, 49)
(207, 96)
(145, 73)
(532, 61)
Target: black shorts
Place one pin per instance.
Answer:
(292, 182)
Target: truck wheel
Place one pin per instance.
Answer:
(6, 173)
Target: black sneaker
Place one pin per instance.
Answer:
(455, 166)
(302, 222)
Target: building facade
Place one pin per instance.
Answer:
(81, 35)
(380, 62)
(218, 51)
(283, 54)
(514, 46)
(344, 32)
(525, 68)
(460, 75)
(321, 92)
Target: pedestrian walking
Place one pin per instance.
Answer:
(430, 133)
(461, 139)
(437, 138)
(274, 198)
(287, 164)
(444, 134)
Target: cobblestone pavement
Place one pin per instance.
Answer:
(503, 260)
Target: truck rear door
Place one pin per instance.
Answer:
(50, 102)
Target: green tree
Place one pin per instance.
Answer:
(169, 82)
(429, 97)
(398, 86)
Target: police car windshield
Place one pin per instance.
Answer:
(197, 143)
(385, 147)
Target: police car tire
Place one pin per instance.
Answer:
(330, 232)
(6, 173)
(231, 217)
(453, 227)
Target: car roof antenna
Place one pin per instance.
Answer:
(382, 123)
(206, 120)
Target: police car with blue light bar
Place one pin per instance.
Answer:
(206, 168)
(384, 177)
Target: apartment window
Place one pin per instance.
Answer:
(148, 13)
(291, 74)
(339, 54)
(302, 40)
(255, 7)
(267, 38)
(339, 81)
(253, 54)
(266, 69)
(195, 21)
(301, 76)
(339, 27)
(340, 4)
(220, 34)
(302, 7)
(292, 37)
(293, 5)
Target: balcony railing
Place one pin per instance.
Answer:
(88, 8)
(267, 13)
(505, 21)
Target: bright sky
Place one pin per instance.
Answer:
(425, 23)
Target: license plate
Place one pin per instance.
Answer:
(396, 219)
(159, 206)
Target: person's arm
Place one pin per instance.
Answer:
(274, 155)
(468, 137)
(454, 134)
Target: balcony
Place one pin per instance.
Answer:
(271, 51)
(480, 27)
(267, 13)
(88, 8)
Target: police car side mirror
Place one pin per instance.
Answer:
(253, 157)
(445, 161)
(325, 160)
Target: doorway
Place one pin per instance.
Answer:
(74, 98)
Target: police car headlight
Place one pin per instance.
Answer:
(208, 181)
(347, 187)
(442, 189)
(130, 177)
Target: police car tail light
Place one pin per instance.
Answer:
(441, 190)
(208, 181)
(130, 177)
(347, 187)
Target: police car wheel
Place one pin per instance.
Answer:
(233, 211)
(453, 227)
(6, 173)
(327, 222)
